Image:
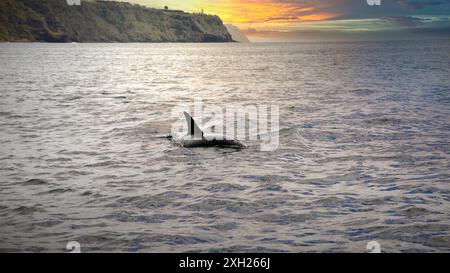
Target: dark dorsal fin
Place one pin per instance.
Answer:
(193, 128)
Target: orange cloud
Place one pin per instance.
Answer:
(318, 16)
(244, 12)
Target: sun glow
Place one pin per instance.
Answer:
(245, 12)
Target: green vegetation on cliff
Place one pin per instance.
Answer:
(104, 21)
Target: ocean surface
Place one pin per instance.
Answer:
(364, 149)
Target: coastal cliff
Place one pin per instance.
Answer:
(104, 21)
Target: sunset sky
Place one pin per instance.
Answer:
(298, 20)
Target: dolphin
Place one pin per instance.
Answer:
(196, 137)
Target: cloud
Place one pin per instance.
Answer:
(386, 28)
(268, 11)
(409, 4)
(405, 21)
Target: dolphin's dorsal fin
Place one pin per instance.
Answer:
(193, 128)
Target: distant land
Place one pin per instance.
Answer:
(104, 21)
(237, 34)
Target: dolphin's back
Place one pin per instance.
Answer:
(209, 141)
